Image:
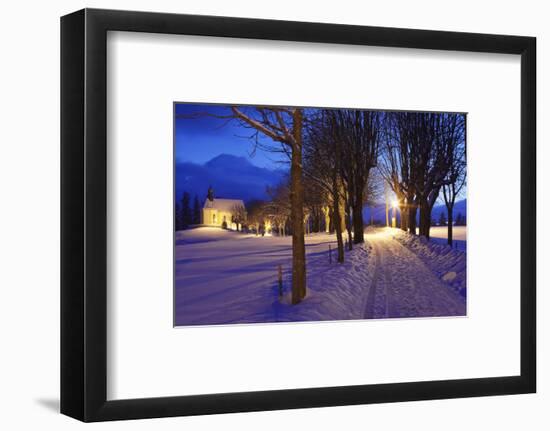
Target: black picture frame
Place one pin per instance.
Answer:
(84, 214)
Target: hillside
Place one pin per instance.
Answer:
(231, 177)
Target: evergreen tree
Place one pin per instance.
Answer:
(177, 216)
(186, 217)
(442, 219)
(196, 210)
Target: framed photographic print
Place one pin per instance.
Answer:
(262, 215)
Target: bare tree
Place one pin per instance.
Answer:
(284, 127)
(433, 163)
(417, 159)
(374, 189)
(238, 215)
(398, 166)
(322, 165)
(256, 214)
(278, 208)
(359, 133)
(456, 177)
(315, 200)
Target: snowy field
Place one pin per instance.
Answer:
(459, 232)
(225, 277)
(438, 234)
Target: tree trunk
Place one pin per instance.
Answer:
(430, 202)
(336, 218)
(316, 221)
(297, 213)
(403, 214)
(387, 211)
(348, 228)
(358, 223)
(412, 219)
(337, 222)
(425, 221)
(326, 213)
(450, 225)
(342, 209)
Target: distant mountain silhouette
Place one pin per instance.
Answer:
(460, 207)
(231, 177)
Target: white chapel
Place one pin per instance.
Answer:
(219, 212)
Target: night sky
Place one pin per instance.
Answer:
(201, 139)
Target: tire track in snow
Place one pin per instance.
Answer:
(392, 309)
(369, 303)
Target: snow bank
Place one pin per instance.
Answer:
(335, 291)
(448, 264)
(438, 234)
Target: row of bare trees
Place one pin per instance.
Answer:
(331, 154)
(335, 158)
(424, 155)
(341, 149)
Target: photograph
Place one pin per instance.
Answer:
(293, 214)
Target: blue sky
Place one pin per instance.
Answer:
(201, 139)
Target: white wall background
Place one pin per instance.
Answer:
(147, 72)
(29, 215)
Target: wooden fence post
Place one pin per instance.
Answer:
(280, 279)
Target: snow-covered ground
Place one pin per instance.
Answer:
(406, 283)
(207, 234)
(459, 232)
(447, 264)
(438, 234)
(229, 277)
(225, 277)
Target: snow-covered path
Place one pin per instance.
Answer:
(404, 286)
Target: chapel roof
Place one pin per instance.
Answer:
(223, 204)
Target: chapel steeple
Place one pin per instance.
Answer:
(210, 194)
